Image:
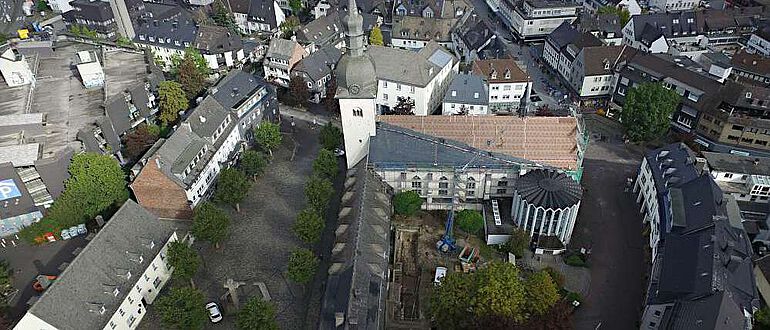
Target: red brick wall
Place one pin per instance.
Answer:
(159, 194)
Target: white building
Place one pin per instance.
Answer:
(745, 178)
(535, 19)
(110, 283)
(466, 95)
(90, 70)
(280, 59)
(257, 15)
(546, 204)
(15, 68)
(759, 42)
(509, 87)
(60, 6)
(422, 76)
(410, 32)
(656, 32)
(674, 5)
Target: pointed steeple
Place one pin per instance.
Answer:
(354, 23)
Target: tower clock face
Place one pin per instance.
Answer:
(354, 89)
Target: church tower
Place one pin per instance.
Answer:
(357, 89)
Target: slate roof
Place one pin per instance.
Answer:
(737, 163)
(207, 117)
(753, 63)
(501, 67)
(319, 64)
(672, 166)
(563, 35)
(549, 141)
(408, 67)
(419, 28)
(236, 87)
(464, 87)
(55, 170)
(165, 22)
(262, 11)
(73, 301)
(596, 58)
(398, 146)
(602, 23)
(549, 188)
(216, 39)
(326, 30)
(176, 153)
(476, 33)
(651, 26)
(358, 274)
(281, 48)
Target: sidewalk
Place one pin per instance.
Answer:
(304, 115)
(577, 279)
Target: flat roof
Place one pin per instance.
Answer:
(21, 154)
(504, 206)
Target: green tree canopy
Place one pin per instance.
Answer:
(184, 260)
(518, 243)
(172, 100)
(182, 308)
(296, 6)
(138, 141)
(302, 266)
(253, 163)
(5, 276)
(309, 225)
(470, 221)
(288, 26)
(190, 77)
(404, 106)
(330, 137)
(268, 136)
(375, 36)
(318, 192)
(762, 318)
(232, 187)
(646, 111)
(257, 314)
(326, 164)
(407, 203)
(223, 17)
(541, 293)
(622, 13)
(210, 223)
(96, 184)
(462, 300)
(299, 93)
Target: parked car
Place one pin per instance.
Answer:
(338, 152)
(74, 231)
(82, 229)
(440, 273)
(65, 234)
(214, 314)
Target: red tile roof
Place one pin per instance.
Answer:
(546, 140)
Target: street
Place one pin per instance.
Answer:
(11, 16)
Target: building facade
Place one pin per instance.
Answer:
(110, 283)
(535, 19)
(509, 86)
(280, 59)
(467, 95)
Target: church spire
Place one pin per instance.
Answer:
(354, 23)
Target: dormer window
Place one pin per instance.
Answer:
(475, 95)
(507, 73)
(454, 93)
(493, 74)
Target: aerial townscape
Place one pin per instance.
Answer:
(384, 164)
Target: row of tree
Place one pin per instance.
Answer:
(310, 223)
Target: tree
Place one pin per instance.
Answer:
(302, 266)
(172, 101)
(193, 54)
(96, 184)
(253, 163)
(182, 308)
(466, 300)
(210, 223)
(404, 106)
(298, 91)
(470, 221)
(541, 293)
(257, 314)
(223, 17)
(190, 77)
(268, 136)
(318, 192)
(326, 164)
(556, 276)
(139, 140)
(647, 110)
(296, 6)
(42, 6)
(124, 42)
(5, 281)
(330, 102)
(407, 203)
(288, 26)
(232, 187)
(184, 260)
(622, 13)
(375, 36)
(762, 318)
(309, 225)
(518, 243)
(330, 137)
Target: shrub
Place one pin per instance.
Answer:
(556, 276)
(470, 221)
(302, 266)
(407, 203)
(575, 260)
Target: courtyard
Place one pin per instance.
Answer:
(260, 239)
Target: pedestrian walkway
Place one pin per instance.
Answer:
(304, 115)
(576, 279)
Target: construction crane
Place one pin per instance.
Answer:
(447, 241)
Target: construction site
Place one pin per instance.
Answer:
(419, 262)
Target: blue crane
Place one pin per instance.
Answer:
(447, 241)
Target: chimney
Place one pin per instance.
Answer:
(202, 119)
(157, 162)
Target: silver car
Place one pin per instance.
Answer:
(214, 314)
